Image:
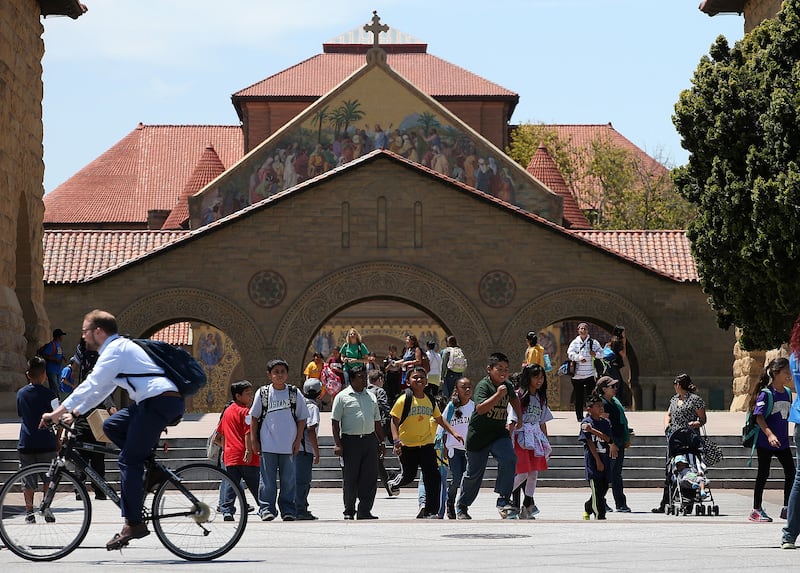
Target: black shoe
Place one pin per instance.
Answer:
(659, 509)
(421, 513)
(367, 516)
(154, 477)
(451, 511)
(100, 496)
(348, 516)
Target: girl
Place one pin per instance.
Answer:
(458, 412)
(530, 442)
(770, 403)
(412, 356)
(534, 354)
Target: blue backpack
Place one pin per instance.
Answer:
(178, 365)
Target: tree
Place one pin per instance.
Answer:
(617, 188)
(740, 121)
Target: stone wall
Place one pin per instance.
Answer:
(747, 369)
(23, 321)
(756, 11)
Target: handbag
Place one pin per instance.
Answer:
(213, 448)
(567, 368)
(712, 453)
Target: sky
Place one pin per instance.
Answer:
(178, 61)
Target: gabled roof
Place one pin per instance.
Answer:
(545, 170)
(581, 137)
(208, 168)
(81, 256)
(147, 169)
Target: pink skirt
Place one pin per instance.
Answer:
(527, 461)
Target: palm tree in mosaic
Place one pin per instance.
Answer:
(351, 112)
(428, 121)
(318, 120)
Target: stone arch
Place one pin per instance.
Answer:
(598, 304)
(404, 283)
(152, 311)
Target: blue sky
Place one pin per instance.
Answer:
(179, 61)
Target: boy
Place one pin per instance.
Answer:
(309, 450)
(413, 436)
(596, 437)
(487, 434)
(239, 456)
(277, 421)
(35, 446)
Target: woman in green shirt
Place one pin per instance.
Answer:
(353, 352)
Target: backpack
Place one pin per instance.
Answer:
(263, 392)
(178, 365)
(330, 380)
(409, 394)
(456, 361)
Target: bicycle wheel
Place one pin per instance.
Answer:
(198, 532)
(52, 533)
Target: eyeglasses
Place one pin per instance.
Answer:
(85, 330)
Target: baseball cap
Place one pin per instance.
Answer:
(58, 332)
(312, 387)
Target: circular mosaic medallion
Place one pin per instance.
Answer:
(267, 288)
(497, 288)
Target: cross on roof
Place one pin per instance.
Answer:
(376, 28)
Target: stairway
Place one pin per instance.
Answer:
(644, 463)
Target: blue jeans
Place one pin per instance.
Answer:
(143, 423)
(458, 463)
(503, 451)
(271, 464)
(250, 476)
(792, 529)
(303, 465)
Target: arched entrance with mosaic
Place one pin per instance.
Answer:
(236, 344)
(384, 281)
(597, 306)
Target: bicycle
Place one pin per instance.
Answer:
(185, 509)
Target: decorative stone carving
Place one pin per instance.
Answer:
(267, 289)
(497, 289)
(412, 285)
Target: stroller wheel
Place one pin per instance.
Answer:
(699, 510)
(716, 510)
(670, 509)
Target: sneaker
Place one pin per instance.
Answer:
(788, 545)
(533, 511)
(432, 516)
(528, 512)
(306, 517)
(289, 518)
(463, 513)
(227, 517)
(784, 511)
(659, 509)
(624, 509)
(586, 516)
(506, 509)
(608, 509)
(759, 516)
(451, 511)
(393, 491)
(349, 516)
(30, 517)
(267, 516)
(50, 518)
(421, 513)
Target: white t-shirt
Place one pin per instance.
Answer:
(279, 429)
(459, 424)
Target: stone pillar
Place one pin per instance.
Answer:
(747, 369)
(756, 11)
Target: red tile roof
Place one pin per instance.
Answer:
(319, 74)
(73, 256)
(208, 168)
(668, 252)
(545, 170)
(177, 334)
(76, 256)
(145, 170)
(582, 136)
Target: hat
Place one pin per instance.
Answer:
(312, 387)
(58, 332)
(681, 459)
(606, 381)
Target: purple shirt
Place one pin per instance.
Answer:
(778, 420)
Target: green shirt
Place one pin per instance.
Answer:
(486, 428)
(356, 412)
(352, 351)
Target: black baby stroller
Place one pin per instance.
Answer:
(688, 484)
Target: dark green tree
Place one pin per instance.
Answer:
(740, 121)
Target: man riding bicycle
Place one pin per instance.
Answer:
(156, 404)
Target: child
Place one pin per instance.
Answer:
(532, 455)
(596, 437)
(309, 449)
(413, 439)
(690, 478)
(457, 412)
(487, 434)
(36, 446)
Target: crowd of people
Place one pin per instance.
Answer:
(421, 404)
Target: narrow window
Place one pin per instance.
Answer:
(382, 222)
(345, 225)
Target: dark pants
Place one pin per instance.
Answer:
(458, 465)
(392, 385)
(303, 470)
(250, 475)
(144, 423)
(360, 473)
(615, 476)
(764, 461)
(413, 458)
(596, 504)
(449, 383)
(582, 388)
